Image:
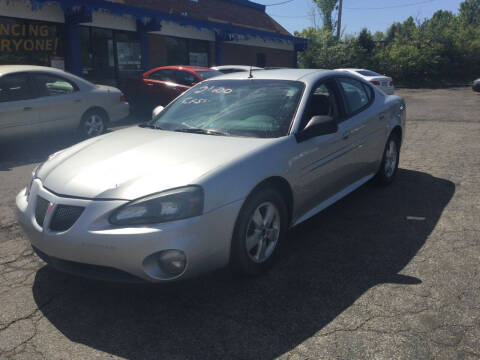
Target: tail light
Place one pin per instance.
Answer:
(390, 83)
(375, 82)
(123, 98)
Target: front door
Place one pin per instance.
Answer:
(60, 102)
(18, 107)
(319, 163)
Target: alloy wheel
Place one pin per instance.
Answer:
(391, 158)
(94, 125)
(263, 232)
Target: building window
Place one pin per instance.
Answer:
(187, 51)
(261, 60)
(31, 42)
(109, 56)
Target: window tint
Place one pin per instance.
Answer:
(14, 88)
(185, 78)
(166, 75)
(356, 96)
(51, 85)
(322, 102)
(367, 73)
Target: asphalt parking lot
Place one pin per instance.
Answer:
(390, 273)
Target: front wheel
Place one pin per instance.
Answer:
(259, 233)
(93, 124)
(390, 160)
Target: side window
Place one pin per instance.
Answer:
(166, 75)
(15, 87)
(322, 102)
(356, 95)
(185, 78)
(51, 85)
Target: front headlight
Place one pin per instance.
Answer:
(34, 176)
(175, 204)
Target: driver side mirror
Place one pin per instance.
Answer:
(157, 111)
(317, 126)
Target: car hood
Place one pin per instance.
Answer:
(133, 162)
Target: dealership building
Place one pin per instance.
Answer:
(109, 41)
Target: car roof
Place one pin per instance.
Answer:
(242, 67)
(351, 69)
(305, 75)
(180, 67)
(6, 69)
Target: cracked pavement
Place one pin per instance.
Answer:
(389, 273)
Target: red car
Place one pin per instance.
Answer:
(161, 85)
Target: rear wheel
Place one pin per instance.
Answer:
(93, 124)
(260, 232)
(390, 160)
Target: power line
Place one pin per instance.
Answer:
(280, 3)
(393, 6)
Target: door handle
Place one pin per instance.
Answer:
(77, 100)
(27, 108)
(346, 134)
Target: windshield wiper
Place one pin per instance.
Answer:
(202, 131)
(149, 125)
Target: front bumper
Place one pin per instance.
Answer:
(92, 240)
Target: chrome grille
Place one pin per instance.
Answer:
(41, 210)
(64, 217)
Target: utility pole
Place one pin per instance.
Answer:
(339, 21)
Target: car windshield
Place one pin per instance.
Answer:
(207, 74)
(368, 73)
(253, 108)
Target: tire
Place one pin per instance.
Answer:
(94, 123)
(255, 248)
(389, 165)
(476, 87)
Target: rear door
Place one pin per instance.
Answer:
(61, 103)
(362, 128)
(19, 112)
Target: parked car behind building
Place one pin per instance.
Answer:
(161, 85)
(37, 99)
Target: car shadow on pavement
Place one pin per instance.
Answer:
(331, 260)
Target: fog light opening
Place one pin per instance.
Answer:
(172, 262)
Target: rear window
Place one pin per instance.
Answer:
(368, 73)
(207, 74)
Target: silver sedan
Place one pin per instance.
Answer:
(37, 99)
(215, 179)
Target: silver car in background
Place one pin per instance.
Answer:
(216, 178)
(383, 82)
(37, 99)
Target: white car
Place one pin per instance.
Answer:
(36, 99)
(383, 82)
(228, 69)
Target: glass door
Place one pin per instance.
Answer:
(98, 60)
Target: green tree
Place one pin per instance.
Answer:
(469, 12)
(326, 8)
